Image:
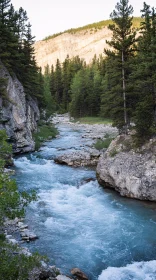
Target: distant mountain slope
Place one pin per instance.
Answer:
(84, 41)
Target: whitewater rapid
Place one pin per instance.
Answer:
(79, 223)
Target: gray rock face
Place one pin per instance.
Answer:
(79, 158)
(18, 114)
(132, 174)
(85, 44)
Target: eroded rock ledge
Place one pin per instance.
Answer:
(131, 173)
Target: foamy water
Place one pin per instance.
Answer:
(82, 225)
(136, 271)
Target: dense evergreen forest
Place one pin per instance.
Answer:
(120, 83)
(16, 49)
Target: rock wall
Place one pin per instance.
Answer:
(18, 114)
(131, 173)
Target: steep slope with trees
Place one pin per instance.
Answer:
(21, 87)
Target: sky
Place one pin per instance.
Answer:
(52, 16)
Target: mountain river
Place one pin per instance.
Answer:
(79, 223)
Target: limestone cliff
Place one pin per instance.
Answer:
(18, 114)
(84, 43)
(131, 173)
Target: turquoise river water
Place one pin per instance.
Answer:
(79, 223)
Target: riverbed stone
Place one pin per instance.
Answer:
(28, 235)
(78, 273)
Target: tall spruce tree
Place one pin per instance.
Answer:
(144, 76)
(58, 83)
(122, 48)
(5, 34)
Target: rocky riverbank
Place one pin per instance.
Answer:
(45, 271)
(17, 227)
(88, 155)
(131, 172)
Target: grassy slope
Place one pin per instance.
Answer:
(94, 120)
(93, 27)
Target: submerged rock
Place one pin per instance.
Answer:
(28, 235)
(131, 173)
(79, 274)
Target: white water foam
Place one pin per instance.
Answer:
(135, 271)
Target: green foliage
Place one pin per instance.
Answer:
(16, 48)
(14, 264)
(144, 120)
(86, 91)
(103, 144)
(60, 82)
(45, 132)
(12, 203)
(48, 102)
(5, 149)
(3, 83)
(113, 152)
(144, 78)
(116, 99)
(94, 120)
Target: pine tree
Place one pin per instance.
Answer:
(49, 103)
(122, 44)
(144, 77)
(4, 32)
(58, 83)
(30, 74)
(66, 79)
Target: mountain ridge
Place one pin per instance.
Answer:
(84, 41)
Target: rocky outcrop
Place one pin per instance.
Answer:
(79, 158)
(85, 44)
(18, 114)
(131, 173)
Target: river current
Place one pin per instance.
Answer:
(79, 223)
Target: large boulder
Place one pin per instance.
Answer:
(79, 158)
(18, 114)
(130, 172)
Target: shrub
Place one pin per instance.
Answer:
(45, 132)
(113, 153)
(103, 144)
